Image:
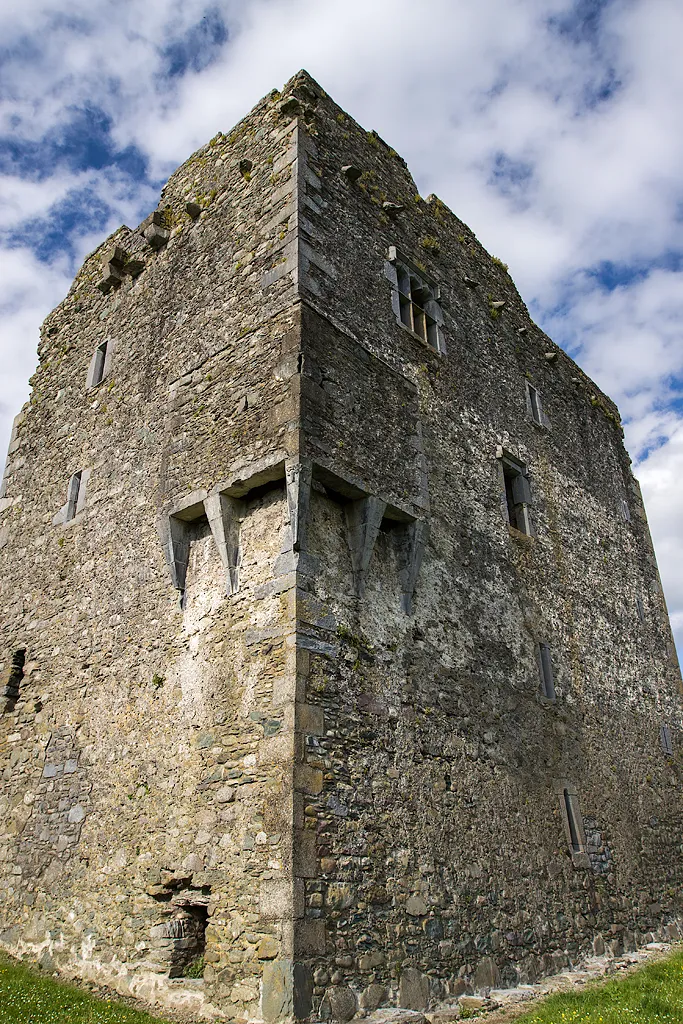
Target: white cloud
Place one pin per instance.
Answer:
(630, 339)
(21, 200)
(28, 291)
(660, 479)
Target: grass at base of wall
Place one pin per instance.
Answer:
(29, 997)
(650, 995)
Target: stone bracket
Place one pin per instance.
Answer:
(363, 520)
(175, 532)
(154, 230)
(224, 510)
(298, 477)
(177, 550)
(411, 542)
(225, 514)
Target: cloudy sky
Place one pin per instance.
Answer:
(552, 127)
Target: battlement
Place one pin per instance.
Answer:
(323, 568)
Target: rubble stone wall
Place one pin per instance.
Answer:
(147, 760)
(444, 855)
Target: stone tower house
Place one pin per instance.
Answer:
(333, 645)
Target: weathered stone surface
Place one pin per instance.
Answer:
(278, 994)
(390, 1015)
(472, 1002)
(413, 993)
(416, 906)
(268, 948)
(487, 974)
(373, 996)
(339, 1003)
(279, 691)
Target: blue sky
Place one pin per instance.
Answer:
(552, 127)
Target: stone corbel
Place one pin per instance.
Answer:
(177, 550)
(363, 520)
(175, 533)
(298, 479)
(225, 514)
(411, 541)
(154, 230)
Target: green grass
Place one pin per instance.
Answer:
(651, 995)
(28, 997)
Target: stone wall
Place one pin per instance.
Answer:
(271, 679)
(148, 756)
(444, 855)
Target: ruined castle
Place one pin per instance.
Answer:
(337, 670)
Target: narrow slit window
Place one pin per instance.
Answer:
(625, 510)
(547, 677)
(535, 405)
(100, 364)
(16, 675)
(517, 494)
(640, 608)
(666, 741)
(572, 821)
(100, 359)
(72, 496)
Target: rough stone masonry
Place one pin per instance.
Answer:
(336, 667)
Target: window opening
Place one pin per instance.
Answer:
(416, 301)
(625, 510)
(99, 363)
(666, 741)
(517, 495)
(535, 403)
(187, 930)
(547, 679)
(640, 608)
(72, 496)
(571, 820)
(179, 939)
(413, 297)
(16, 675)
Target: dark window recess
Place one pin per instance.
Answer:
(640, 608)
(99, 363)
(535, 404)
(16, 674)
(180, 940)
(414, 296)
(665, 740)
(572, 821)
(547, 678)
(517, 495)
(72, 496)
